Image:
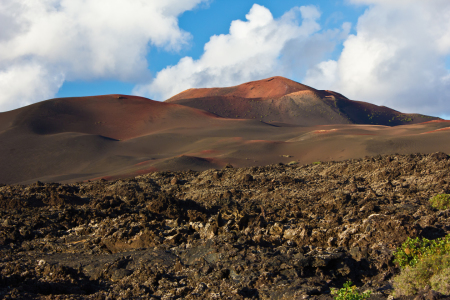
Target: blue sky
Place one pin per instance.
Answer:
(211, 19)
(393, 53)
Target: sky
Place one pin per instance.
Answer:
(391, 53)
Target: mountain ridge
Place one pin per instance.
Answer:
(280, 100)
(271, 87)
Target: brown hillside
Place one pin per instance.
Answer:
(114, 116)
(280, 100)
(117, 136)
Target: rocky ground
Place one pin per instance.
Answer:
(275, 232)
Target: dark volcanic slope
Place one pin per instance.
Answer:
(274, 232)
(278, 99)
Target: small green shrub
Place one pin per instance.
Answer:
(316, 163)
(349, 292)
(414, 250)
(441, 201)
(432, 270)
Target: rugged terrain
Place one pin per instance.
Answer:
(275, 232)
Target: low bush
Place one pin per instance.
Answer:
(441, 201)
(441, 282)
(432, 270)
(349, 292)
(423, 262)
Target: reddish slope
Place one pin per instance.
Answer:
(272, 87)
(86, 137)
(113, 116)
(280, 100)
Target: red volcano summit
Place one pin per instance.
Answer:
(273, 87)
(280, 100)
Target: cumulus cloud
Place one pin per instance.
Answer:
(27, 83)
(397, 58)
(253, 49)
(44, 42)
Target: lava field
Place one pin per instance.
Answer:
(284, 231)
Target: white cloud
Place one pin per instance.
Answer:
(52, 40)
(27, 83)
(253, 49)
(397, 58)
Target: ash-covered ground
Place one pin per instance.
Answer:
(275, 232)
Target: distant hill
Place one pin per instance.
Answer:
(119, 136)
(280, 100)
(113, 116)
(86, 137)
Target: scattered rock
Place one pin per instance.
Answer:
(248, 178)
(174, 181)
